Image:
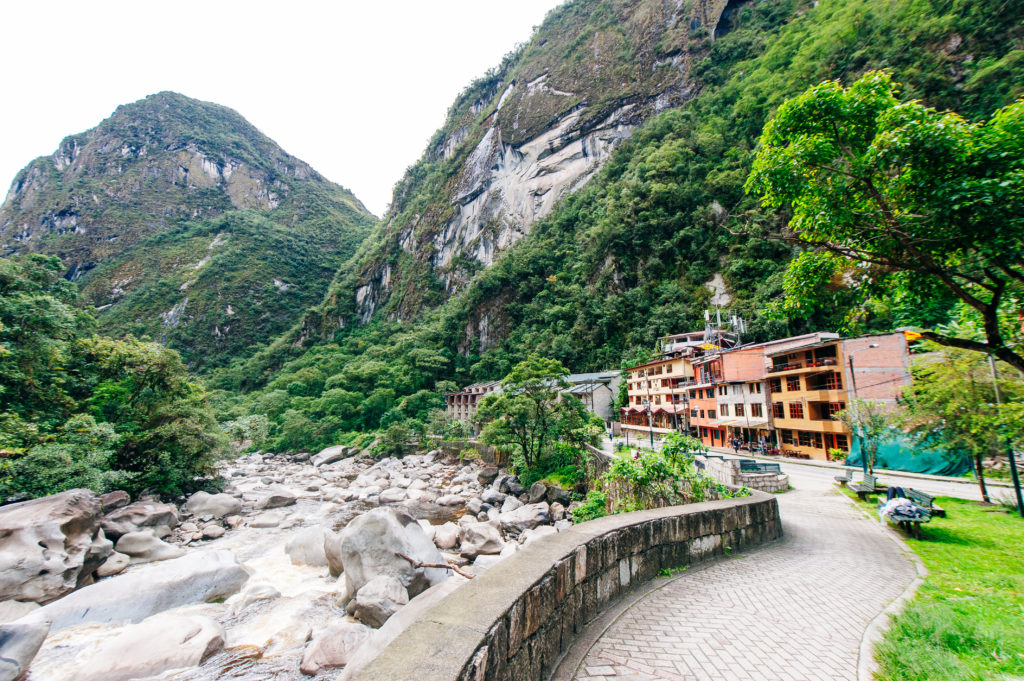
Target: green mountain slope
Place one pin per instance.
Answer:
(628, 257)
(181, 221)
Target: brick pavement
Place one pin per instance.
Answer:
(794, 610)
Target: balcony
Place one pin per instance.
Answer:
(794, 366)
(814, 425)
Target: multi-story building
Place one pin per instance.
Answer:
(808, 384)
(729, 399)
(657, 397)
(462, 405)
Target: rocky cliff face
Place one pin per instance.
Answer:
(170, 214)
(525, 136)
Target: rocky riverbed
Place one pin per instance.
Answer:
(301, 566)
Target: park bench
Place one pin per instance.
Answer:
(846, 477)
(926, 501)
(868, 486)
(751, 466)
(909, 517)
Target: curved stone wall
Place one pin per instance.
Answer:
(513, 622)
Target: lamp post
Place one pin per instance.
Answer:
(1009, 445)
(853, 384)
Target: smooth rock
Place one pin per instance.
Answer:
(481, 539)
(367, 548)
(492, 497)
(13, 610)
(330, 455)
(510, 504)
(451, 500)
(51, 545)
(474, 505)
(536, 533)
(393, 495)
(379, 599)
(114, 564)
(216, 505)
(265, 521)
(112, 501)
(334, 647)
(306, 547)
(156, 645)
(139, 515)
(256, 592)
(276, 497)
(524, 518)
(558, 495)
(200, 576)
(213, 532)
(487, 475)
(538, 492)
(557, 511)
(144, 547)
(19, 643)
(447, 536)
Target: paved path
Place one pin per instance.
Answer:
(794, 610)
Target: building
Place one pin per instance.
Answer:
(809, 383)
(729, 399)
(462, 405)
(597, 391)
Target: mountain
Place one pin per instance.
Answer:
(475, 266)
(183, 222)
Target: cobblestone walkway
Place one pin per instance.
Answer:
(792, 611)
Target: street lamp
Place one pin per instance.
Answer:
(853, 384)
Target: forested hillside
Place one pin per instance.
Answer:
(628, 257)
(182, 222)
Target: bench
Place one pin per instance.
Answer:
(909, 519)
(751, 466)
(926, 501)
(868, 486)
(846, 477)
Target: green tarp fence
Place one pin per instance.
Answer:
(902, 452)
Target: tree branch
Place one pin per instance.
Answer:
(448, 566)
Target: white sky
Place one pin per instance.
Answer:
(355, 89)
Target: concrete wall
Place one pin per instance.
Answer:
(513, 622)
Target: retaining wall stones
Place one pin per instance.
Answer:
(513, 622)
(727, 471)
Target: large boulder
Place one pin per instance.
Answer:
(332, 551)
(144, 547)
(330, 455)
(307, 547)
(524, 518)
(50, 546)
(200, 576)
(139, 515)
(538, 492)
(19, 643)
(557, 495)
(334, 647)
(114, 564)
(379, 599)
(487, 475)
(447, 536)
(216, 505)
(114, 500)
(368, 546)
(148, 649)
(481, 539)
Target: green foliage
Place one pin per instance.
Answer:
(885, 187)
(595, 506)
(870, 423)
(83, 410)
(644, 479)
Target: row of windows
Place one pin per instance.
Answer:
(796, 409)
(828, 381)
(805, 438)
(739, 409)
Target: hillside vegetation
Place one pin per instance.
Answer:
(626, 259)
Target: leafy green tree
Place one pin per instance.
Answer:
(870, 423)
(530, 414)
(895, 196)
(952, 402)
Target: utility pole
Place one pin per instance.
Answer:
(853, 403)
(1009, 445)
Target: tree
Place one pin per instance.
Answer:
(529, 413)
(952, 402)
(869, 421)
(894, 196)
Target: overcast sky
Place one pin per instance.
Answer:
(353, 88)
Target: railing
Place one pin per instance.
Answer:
(826, 362)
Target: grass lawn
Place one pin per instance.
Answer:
(967, 620)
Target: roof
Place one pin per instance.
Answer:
(585, 388)
(596, 377)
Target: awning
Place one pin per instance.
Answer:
(725, 422)
(754, 423)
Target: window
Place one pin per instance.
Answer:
(787, 437)
(755, 388)
(657, 399)
(796, 410)
(833, 381)
(841, 443)
(723, 390)
(792, 383)
(693, 413)
(711, 414)
(777, 410)
(703, 431)
(738, 411)
(755, 410)
(724, 409)
(804, 438)
(702, 413)
(775, 385)
(693, 394)
(834, 408)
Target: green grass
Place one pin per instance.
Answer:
(965, 623)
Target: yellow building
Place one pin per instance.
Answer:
(657, 398)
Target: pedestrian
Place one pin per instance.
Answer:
(736, 445)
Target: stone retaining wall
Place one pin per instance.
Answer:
(513, 622)
(728, 472)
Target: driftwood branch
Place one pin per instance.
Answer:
(448, 566)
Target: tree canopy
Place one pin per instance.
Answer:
(896, 199)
